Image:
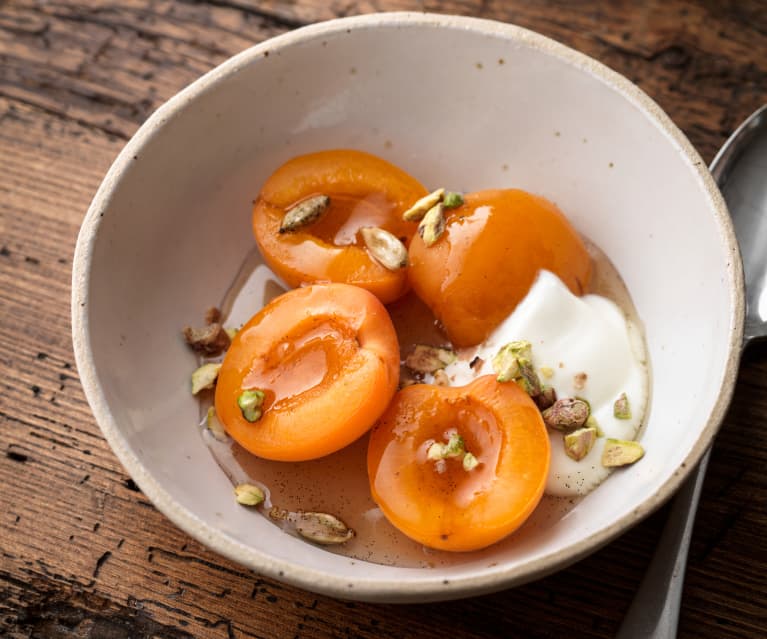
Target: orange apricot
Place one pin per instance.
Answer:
(325, 357)
(425, 485)
(489, 255)
(364, 190)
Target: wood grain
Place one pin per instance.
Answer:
(83, 553)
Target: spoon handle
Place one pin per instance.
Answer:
(654, 612)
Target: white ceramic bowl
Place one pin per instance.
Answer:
(459, 101)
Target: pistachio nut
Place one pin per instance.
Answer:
(384, 247)
(547, 372)
(304, 213)
(622, 408)
(506, 360)
(429, 359)
(452, 200)
(618, 452)
(566, 414)
(528, 379)
(250, 402)
(470, 462)
(214, 425)
(211, 340)
(579, 443)
(416, 212)
(249, 495)
(321, 528)
(546, 397)
(455, 446)
(432, 226)
(205, 377)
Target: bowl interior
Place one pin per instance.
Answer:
(459, 102)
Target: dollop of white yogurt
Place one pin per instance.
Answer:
(572, 336)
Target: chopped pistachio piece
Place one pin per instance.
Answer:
(566, 414)
(546, 397)
(528, 379)
(214, 425)
(385, 248)
(321, 528)
(618, 452)
(429, 359)
(579, 443)
(211, 340)
(470, 462)
(436, 451)
(441, 378)
(416, 212)
(452, 200)
(205, 377)
(547, 372)
(509, 358)
(250, 402)
(249, 495)
(455, 446)
(622, 408)
(304, 213)
(231, 332)
(432, 226)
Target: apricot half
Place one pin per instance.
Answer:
(445, 500)
(364, 190)
(490, 253)
(326, 359)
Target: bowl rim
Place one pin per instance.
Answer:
(427, 587)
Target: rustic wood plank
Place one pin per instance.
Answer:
(82, 552)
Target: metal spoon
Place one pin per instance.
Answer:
(740, 169)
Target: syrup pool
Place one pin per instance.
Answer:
(338, 483)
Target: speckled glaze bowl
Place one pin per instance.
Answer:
(459, 101)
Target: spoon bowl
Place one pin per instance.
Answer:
(740, 169)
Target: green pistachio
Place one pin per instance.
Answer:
(416, 212)
(621, 453)
(579, 443)
(249, 495)
(432, 226)
(452, 200)
(214, 425)
(250, 402)
(470, 462)
(509, 359)
(429, 359)
(205, 377)
(566, 414)
(384, 247)
(622, 408)
(304, 213)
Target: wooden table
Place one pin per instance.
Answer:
(83, 553)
